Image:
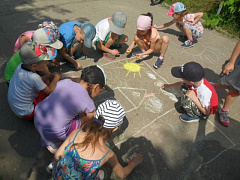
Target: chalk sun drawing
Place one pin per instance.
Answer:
(132, 67)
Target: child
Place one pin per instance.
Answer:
(26, 83)
(85, 151)
(68, 106)
(73, 34)
(201, 92)
(230, 80)
(109, 35)
(148, 40)
(47, 35)
(188, 24)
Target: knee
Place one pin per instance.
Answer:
(113, 36)
(125, 38)
(165, 39)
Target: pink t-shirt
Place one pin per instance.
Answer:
(18, 43)
(190, 18)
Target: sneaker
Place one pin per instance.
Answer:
(187, 44)
(108, 55)
(223, 117)
(139, 52)
(186, 118)
(50, 167)
(158, 63)
(78, 55)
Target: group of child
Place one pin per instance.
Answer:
(74, 130)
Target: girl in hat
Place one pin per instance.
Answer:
(58, 115)
(85, 151)
(148, 40)
(188, 24)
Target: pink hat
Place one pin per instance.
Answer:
(144, 22)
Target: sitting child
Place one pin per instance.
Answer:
(74, 34)
(47, 35)
(85, 151)
(201, 93)
(188, 24)
(25, 85)
(148, 40)
(68, 106)
(109, 35)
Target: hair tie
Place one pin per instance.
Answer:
(150, 27)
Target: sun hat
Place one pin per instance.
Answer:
(190, 71)
(112, 112)
(32, 52)
(90, 32)
(176, 7)
(118, 22)
(144, 22)
(48, 35)
(94, 75)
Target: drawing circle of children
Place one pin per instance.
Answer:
(188, 24)
(229, 80)
(148, 40)
(73, 35)
(109, 35)
(68, 106)
(25, 86)
(47, 35)
(200, 91)
(85, 151)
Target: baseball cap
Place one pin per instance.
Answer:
(112, 112)
(94, 75)
(190, 71)
(118, 23)
(90, 32)
(47, 37)
(144, 22)
(32, 52)
(176, 7)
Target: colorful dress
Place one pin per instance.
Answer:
(72, 166)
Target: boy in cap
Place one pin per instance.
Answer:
(73, 34)
(109, 32)
(203, 97)
(25, 85)
(47, 35)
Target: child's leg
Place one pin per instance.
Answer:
(162, 45)
(188, 32)
(141, 43)
(230, 98)
(123, 39)
(180, 29)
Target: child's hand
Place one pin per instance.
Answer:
(129, 50)
(136, 160)
(138, 56)
(229, 67)
(155, 26)
(163, 86)
(57, 76)
(115, 52)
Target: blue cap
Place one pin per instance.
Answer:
(179, 7)
(90, 32)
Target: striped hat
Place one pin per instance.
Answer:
(112, 112)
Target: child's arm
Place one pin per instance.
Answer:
(58, 155)
(174, 85)
(229, 67)
(48, 89)
(129, 49)
(25, 39)
(62, 51)
(197, 18)
(118, 169)
(191, 94)
(86, 116)
(101, 46)
(165, 25)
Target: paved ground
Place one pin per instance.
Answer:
(172, 149)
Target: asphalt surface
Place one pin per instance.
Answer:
(171, 148)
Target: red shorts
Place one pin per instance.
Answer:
(41, 96)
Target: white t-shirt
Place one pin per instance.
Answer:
(102, 30)
(23, 89)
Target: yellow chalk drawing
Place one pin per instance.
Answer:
(132, 67)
